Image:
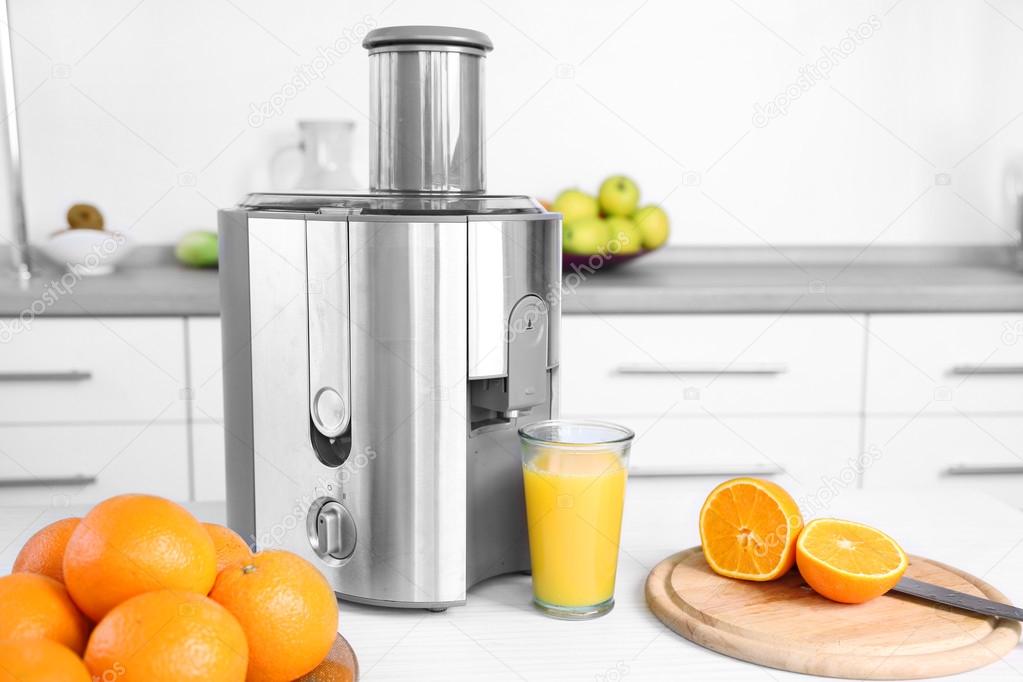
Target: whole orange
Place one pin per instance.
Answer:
(44, 551)
(40, 660)
(168, 636)
(34, 606)
(131, 544)
(229, 545)
(287, 609)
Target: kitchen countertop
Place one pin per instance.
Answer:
(498, 636)
(803, 280)
(673, 280)
(148, 283)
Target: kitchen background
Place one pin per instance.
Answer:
(902, 116)
(839, 307)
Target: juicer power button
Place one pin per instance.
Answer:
(329, 412)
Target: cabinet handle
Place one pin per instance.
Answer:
(967, 370)
(70, 375)
(750, 369)
(674, 472)
(68, 481)
(983, 469)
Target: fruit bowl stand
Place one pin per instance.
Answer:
(582, 262)
(340, 665)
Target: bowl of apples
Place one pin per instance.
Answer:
(609, 228)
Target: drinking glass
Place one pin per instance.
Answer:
(574, 475)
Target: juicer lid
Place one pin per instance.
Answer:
(395, 204)
(390, 36)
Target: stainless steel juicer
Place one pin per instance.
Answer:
(381, 349)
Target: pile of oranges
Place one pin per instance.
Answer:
(752, 529)
(139, 589)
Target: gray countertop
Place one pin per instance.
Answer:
(805, 280)
(674, 280)
(149, 283)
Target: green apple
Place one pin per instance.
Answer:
(198, 249)
(575, 204)
(625, 235)
(618, 195)
(585, 235)
(653, 223)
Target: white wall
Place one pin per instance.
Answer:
(127, 103)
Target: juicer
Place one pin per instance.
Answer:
(381, 349)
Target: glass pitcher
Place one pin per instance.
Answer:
(325, 146)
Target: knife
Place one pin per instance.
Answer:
(960, 600)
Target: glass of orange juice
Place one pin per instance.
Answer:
(574, 475)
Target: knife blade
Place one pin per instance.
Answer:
(960, 600)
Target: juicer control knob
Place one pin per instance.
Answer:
(335, 532)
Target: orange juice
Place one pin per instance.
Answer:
(574, 509)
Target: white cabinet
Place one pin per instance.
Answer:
(947, 364)
(818, 403)
(944, 403)
(716, 396)
(93, 407)
(813, 458)
(206, 366)
(983, 453)
(639, 365)
(58, 465)
(87, 370)
(206, 363)
(208, 457)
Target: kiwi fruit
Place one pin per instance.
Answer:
(84, 216)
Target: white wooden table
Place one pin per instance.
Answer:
(498, 636)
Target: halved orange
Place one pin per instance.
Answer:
(847, 561)
(748, 528)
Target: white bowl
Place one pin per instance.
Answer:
(85, 251)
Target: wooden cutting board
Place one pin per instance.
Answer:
(784, 624)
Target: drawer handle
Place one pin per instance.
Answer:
(969, 370)
(68, 481)
(983, 469)
(674, 472)
(70, 375)
(750, 369)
